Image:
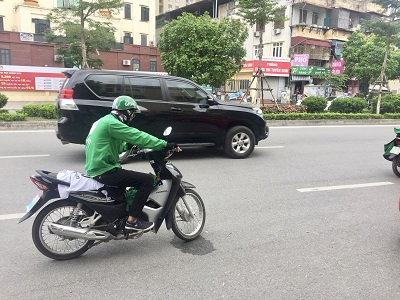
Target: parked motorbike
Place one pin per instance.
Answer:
(67, 228)
(392, 152)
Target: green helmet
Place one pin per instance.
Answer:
(125, 103)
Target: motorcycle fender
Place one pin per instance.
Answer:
(181, 192)
(46, 197)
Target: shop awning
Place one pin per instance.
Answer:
(300, 78)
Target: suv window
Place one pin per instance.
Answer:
(143, 88)
(181, 91)
(104, 85)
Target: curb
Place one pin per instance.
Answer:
(42, 125)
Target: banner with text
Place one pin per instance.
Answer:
(300, 59)
(309, 71)
(21, 78)
(270, 66)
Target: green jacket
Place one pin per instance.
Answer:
(106, 141)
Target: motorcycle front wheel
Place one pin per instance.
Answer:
(189, 216)
(55, 246)
(396, 165)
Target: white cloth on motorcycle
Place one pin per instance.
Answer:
(77, 182)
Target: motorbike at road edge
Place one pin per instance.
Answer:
(392, 152)
(67, 228)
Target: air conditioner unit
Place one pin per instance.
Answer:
(58, 58)
(151, 43)
(277, 31)
(126, 62)
(257, 34)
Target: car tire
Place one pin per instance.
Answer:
(239, 142)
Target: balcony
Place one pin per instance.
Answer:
(353, 5)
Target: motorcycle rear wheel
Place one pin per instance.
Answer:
(396, 165)
(188, 226)
(55, 246)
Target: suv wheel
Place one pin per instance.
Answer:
(239, 142)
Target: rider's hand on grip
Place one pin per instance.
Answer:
(172, 146)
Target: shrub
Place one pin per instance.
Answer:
(47, 111)
(3, 100)
(389, 104)
(327, 116)
(283, 108)
(315, 104)
(348, 105)
(12, 117)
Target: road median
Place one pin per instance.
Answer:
(52, 124)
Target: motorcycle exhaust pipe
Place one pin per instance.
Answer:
(78, 233)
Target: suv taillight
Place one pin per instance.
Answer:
(397, 140)
(67, 94)
(66, 100)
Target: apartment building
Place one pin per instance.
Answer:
(23, 24)
(295, 51)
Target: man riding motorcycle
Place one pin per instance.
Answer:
(104, 143)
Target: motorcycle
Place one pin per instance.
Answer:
(392, 152)
(67, 228)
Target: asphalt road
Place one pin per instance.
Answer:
(312, 214)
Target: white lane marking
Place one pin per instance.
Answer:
(340, 187)
(325, 126)
(25, 131)
(11, 216)
(25, 156)
(269, 147)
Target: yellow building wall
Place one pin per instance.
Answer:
(31, 96)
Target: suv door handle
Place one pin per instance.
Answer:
(176, 109)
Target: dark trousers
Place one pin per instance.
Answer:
(125, 178)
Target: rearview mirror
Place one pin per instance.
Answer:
(167, 131)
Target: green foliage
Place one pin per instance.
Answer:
(283, 108)
(328, 116)
(389, 104)
(7, 117)
(364, 56)
(77, 35)
(315, 104)
(47, 111)
(3, 100)
(348, 105)
(337, 82)
(202, 50)
(260, 12)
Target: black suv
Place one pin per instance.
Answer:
(197, 117)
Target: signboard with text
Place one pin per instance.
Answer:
(337, 67)
(309, 71)
(300, 59)
(21, 78)
(270, 66)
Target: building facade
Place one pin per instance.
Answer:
(23, 24)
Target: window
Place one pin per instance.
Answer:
(5, 57)
(244, 84)
(314, 18)
(303, 16)
(143, 88)
(128, 11)
(67, 3)
(41, 26)
(1, 24)
(128, 39)
(143, 39)
(280, 23)
(136, 65)
(181, 91)
(277, 49)
(144, 13)
(153, 66)
(104, 85)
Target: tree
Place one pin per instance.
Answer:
(387, 29)
(202, 50)
(364, 54)
(78, 35)
(337, 82)
(260, 13)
